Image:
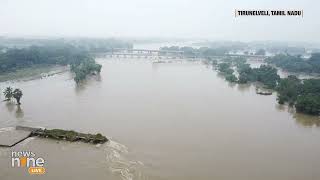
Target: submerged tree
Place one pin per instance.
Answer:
(308, 103)
(17, 94)
(231, 78)
(289, 89)
(84, 66)
(8, 93)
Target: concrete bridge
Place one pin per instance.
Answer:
(142, 53)
(168, 54)
(148, 51)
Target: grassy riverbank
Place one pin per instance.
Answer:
(33, 72)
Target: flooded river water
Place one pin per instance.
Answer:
(166, 121)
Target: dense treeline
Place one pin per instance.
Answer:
(198, 52)
(80, 61)
(304, 95)
(296, 63)
(226, 70)
(272, 47)
(17, 53)
(14, 59)
(264, 74)
(87, 44)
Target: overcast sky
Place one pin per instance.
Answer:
(211, 19)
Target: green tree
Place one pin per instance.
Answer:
(267, 75)
(17, 94)
(84, 67)
(296, 63)
(264, 74)
(309, 103)
(8, 93)
(231, 78)
(225, 68)
(288, 90)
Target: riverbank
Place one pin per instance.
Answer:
(33, 72)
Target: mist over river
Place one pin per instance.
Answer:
(166, 121)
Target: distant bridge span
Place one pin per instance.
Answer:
(145, 50)
(150, 53)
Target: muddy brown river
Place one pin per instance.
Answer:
(166, 121)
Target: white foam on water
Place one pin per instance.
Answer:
(25, 142)
(117, 146)
(118, 163)
(5, 129)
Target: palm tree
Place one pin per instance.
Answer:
(8, 93)
(17, 94)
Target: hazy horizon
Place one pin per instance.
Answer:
(181, 19)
